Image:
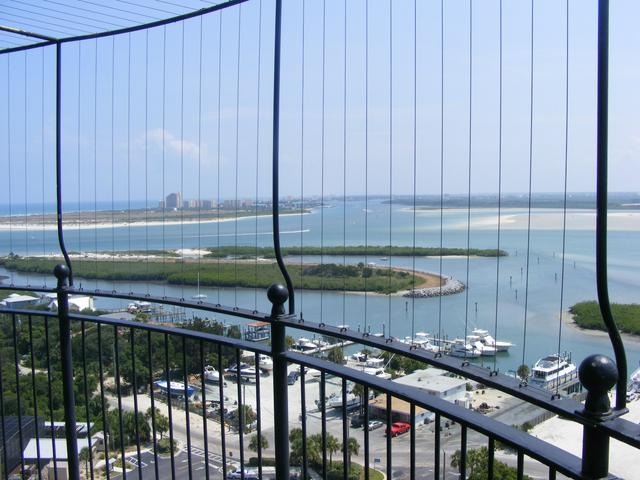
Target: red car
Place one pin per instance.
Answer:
(399, 428)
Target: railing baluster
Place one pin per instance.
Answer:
(366, 433)
(153, 406)
(389, 461)
(323, 395)
(116, 359)
(205, 435)
(552, 474)
(258, 414)
(491, 458)
(345, 433)
(86, 392)
(463, 451)
(62, 274)
(18, 399)
(167, 376)
(186, 404)
(436, 447)
(35, 397)
(105, 430)
(240, 414)
(223, 443)
(520, 464)
(412, 440)
(132, 339)
(4, 436)
(303, 401)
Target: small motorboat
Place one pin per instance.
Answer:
(211, 374)
(174, 388)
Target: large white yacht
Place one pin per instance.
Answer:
(461, 348)
(554, 371)
(488, 340)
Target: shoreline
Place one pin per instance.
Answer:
(568, 320)
(75, 225)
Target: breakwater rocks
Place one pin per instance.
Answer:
(450, 287)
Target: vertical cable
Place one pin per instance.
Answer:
(466, 298)
(218, 152)
(113, 230)
(441, 172)
(526, 288)
(164, 119)
(237, 161)
(324, 34)
(200, 172)
(390, 153)
(415, 165)
(146, 155)
(42, 185)
(302, 79)
(78, 147)
(129, 263)
(495, 322)
(366, 156)
(344, 174)
(9, 160)
(255, 290)
(26, 200)
(95, 159)
(182, 196)
(566, 170)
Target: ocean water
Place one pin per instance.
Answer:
(497, 300)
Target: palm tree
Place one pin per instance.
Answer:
(353, 447)
(332, 446)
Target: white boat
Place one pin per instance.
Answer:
(174, 388)
(633, 387)
(246, 370)
(488, 340)
(485, 350)
(265, 362)
(305, 345)
(422, 340)
(211, 374)
(553, 371)
(335, 401)
(199, 296)
(460, 348)
(377, 372)
(139, 307)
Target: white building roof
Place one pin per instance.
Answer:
(434, 382)
(46, 448)
(17, 298)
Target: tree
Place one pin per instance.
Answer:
(85, 455)
(353, 447)
(161, 421)
(257, 443)
(336, 355)
(523, 372)
(332, 446)
(477, 461)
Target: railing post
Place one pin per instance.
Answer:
(278, 295)
(62, 274)
(598, 374)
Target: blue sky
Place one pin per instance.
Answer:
(162, 143)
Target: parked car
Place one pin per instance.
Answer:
(375, 424)
(399, 428)
(292, 377)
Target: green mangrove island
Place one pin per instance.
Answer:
(231, 273)
(627, 316)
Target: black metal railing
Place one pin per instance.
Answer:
(102, 362)
(115, 387)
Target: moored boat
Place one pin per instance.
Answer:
(174, 388)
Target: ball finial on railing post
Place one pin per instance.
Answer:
(598, 374)
(277, 295)
(61, 272)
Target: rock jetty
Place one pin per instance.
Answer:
(450, 287)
